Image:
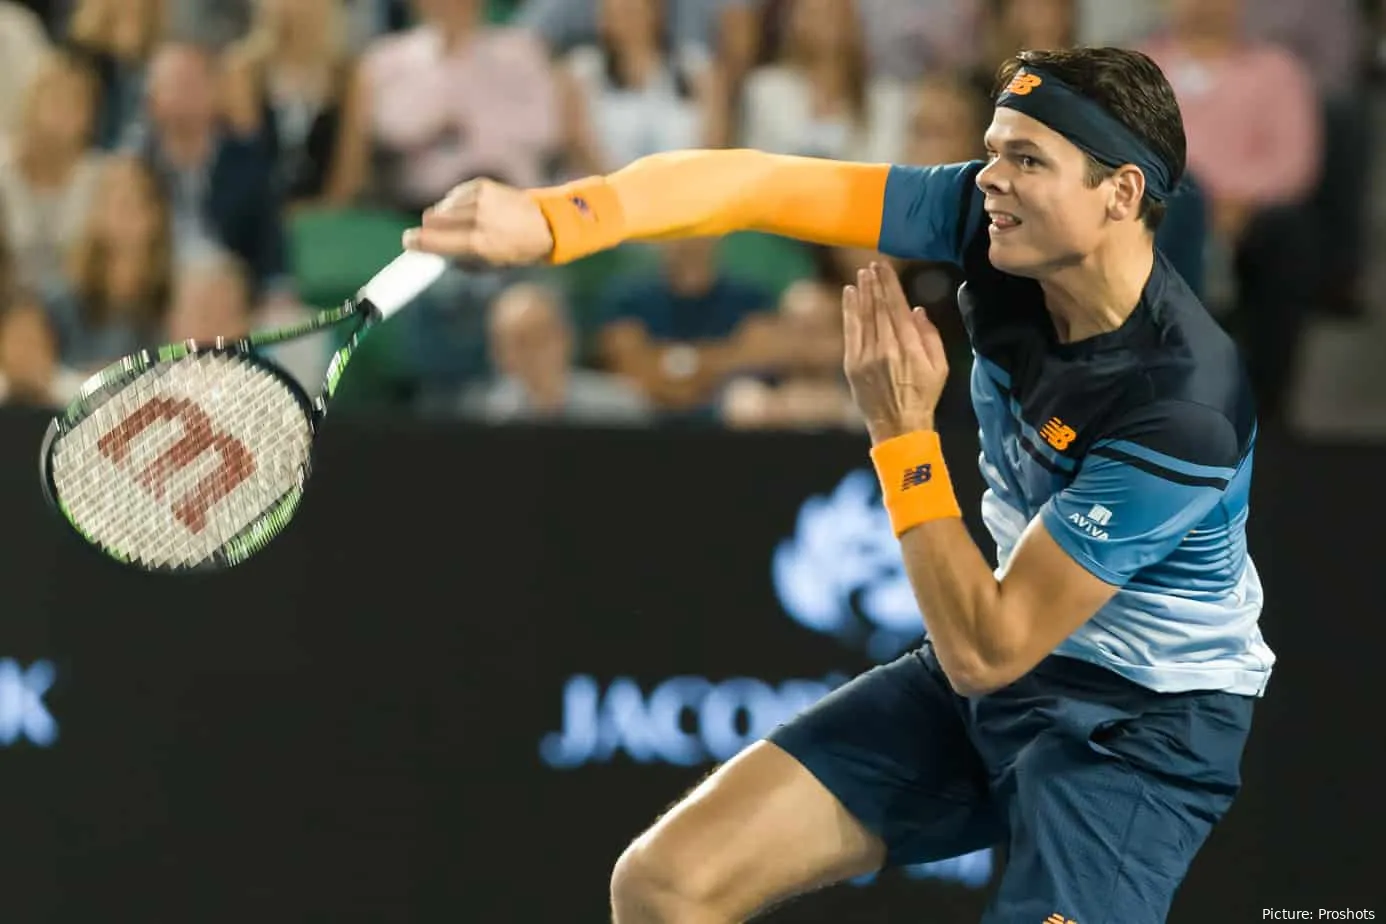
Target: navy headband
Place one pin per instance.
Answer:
(1092, 129)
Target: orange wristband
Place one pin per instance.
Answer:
(585, 216)
(914, 480)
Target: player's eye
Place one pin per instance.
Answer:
(1027, 162)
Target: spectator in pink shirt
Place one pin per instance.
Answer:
(1251, 115)
(454, 99)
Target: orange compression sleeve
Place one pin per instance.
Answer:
(714, 192)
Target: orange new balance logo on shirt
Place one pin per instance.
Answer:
(1058, 434)
(1059, 919)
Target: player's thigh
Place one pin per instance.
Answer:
(759, 830)
(879, 771)
(893, 747)
(1103, 827)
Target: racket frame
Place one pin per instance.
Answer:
(125, 371)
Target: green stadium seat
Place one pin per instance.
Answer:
(500, 12)
(335, 251)
(769, 261)
(764, 259)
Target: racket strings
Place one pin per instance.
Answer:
(170, 468)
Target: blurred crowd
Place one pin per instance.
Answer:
(174, 169)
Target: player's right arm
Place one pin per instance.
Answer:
(912, 212)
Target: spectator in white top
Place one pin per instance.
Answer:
(49, 172)
(813, 96)
(28, 346)
(633, 93)
(23, 44)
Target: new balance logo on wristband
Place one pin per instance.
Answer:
(917, 475)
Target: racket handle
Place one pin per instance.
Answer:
(402, 281)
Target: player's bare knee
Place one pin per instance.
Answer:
(646, 876)
(652, 884)
(635, 889)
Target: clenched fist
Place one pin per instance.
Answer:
(487, 221)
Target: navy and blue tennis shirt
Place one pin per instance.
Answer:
(1134, 447)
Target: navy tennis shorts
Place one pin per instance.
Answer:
(1100, 791)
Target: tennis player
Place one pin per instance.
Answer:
(1085, 704)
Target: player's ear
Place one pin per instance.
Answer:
(1128, 186)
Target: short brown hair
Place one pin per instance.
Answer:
(1133, 90)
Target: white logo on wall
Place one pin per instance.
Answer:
(23, 714)
(841, 573)
(684, 721)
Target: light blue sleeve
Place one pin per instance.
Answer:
(1131, 505)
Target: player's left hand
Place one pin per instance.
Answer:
(895, 362)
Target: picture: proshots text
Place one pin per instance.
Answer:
(1320, 914)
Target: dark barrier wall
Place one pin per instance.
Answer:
(481, 661)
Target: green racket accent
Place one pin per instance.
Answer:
(258, 535)
(320, 321)
(338, 364)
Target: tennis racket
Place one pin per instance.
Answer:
(194, 456)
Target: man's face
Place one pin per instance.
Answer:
(208, 303)
(62, 108)
(529, 339)
(181, 87)
(1043, 216)
(944, 127)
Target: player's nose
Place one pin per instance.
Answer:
(992, 179)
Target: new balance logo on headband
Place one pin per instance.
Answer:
(1087, 125)
(1021, 84)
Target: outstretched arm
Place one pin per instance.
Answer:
(714, 192)
(920, 212)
